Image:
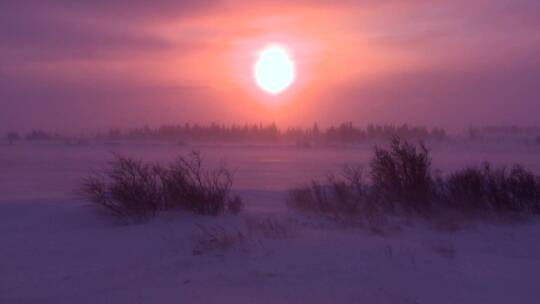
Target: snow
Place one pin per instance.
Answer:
(56, 249)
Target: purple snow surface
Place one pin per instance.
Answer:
(55, 249)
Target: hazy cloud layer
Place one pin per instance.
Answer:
(464, 62)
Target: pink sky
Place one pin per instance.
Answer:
(73, 64)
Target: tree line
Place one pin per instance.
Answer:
(214, 132)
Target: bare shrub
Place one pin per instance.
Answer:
(401, 175)
(336, 196)
(217, 239)
(401, 180)
(235, 205)
(186, 184)
(135, 190)
(269, 227)
(303, 199)
(487, 189)
(129, 189)
(466, 189)
(342, 198)
(524, 189)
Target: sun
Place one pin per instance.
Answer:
(274, 70)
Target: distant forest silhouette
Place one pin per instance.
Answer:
(341, 134)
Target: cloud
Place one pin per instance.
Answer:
(454, 97)
(434, 61)
(75, 105)
(74, 29)
(118, 9)
(61, 40)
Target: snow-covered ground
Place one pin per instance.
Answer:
(56, 249)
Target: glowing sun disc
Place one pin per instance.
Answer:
(274, 70)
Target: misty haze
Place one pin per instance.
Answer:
(225, 151)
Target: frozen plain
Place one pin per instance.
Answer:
(56, 249)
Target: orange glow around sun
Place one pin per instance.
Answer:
(273, 66)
